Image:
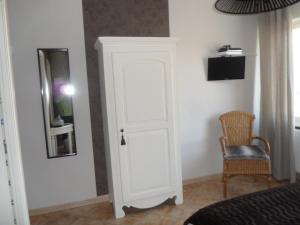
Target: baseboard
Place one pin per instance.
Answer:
(202, 179)
(105, 198)
(40, 211)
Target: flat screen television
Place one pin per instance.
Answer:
(226, 68)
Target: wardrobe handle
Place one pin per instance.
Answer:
(123, 142)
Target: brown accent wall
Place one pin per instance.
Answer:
(115, 18)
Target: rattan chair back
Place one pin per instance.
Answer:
(237, 127)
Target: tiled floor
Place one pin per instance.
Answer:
(196, 196)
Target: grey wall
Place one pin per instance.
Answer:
(115, 18)
(50, 24)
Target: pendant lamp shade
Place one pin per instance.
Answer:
(251, 6)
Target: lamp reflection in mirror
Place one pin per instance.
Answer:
(68, 89)
(57, 92)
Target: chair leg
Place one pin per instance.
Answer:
(224, 186)
(269, 181)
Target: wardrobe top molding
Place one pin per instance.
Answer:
(113, 41)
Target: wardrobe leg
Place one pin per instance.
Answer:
(119, 212)
(179, 199)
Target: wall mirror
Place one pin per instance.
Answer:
(57, 91)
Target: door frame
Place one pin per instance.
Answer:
(14, 155)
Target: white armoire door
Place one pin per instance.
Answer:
(143, 93)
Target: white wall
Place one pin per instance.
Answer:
(51, 24)
(297, 150)
(202, 30)
(295, 13)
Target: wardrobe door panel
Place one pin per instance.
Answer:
(142, 91)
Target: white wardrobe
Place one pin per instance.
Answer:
(140, 120)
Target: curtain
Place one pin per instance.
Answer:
(277, 91)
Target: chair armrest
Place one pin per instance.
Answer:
(267, 144)
(223, 144)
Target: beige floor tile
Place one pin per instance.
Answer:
(196, 196)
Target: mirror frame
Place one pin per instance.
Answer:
(42, 94)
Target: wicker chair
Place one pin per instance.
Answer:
(241, 157)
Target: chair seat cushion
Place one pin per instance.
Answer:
(245, 152)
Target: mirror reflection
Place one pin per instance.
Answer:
(57, 91)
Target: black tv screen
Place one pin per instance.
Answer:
(226, 68)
